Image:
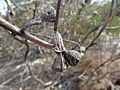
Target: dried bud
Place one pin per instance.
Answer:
(58, 65)
(72, 57)
(48, 15)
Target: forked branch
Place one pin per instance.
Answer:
(102, 26)
(16, 31)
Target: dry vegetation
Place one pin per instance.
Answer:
(99, 69)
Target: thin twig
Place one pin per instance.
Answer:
(29, 68)
(103, 25)
(111, 59)
(9, 5)
(34, 11)
(57, 15)
(101, 28)
(104, 75)
(27, 64)
(89, 32)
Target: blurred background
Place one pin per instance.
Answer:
(77, 17)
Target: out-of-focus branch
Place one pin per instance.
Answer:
(95, 29)
(9, 5)
(25, 42)
(18, 6)
(89, 32)
(29, 67)
(113, 27)
(16, 31)
(34, 11)
(27, 2)
(10, 11)
(47, 84)
(103, 25)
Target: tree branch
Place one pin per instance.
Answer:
(16, 31)
(57, 15)
(113, 27)
(102, 26)
(9, 5)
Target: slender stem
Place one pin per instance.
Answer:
(57, 15)
(103, 25)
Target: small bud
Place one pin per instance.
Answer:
(48, 15)
(72, 57)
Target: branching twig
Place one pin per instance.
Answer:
(101, 28)
(9, 5)
(66, 40)
(104, 75)
(16, 31)
(89, 32)
(47, 84)
(27, 64)
(103, 25)
(111, 59)
(96, 28)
